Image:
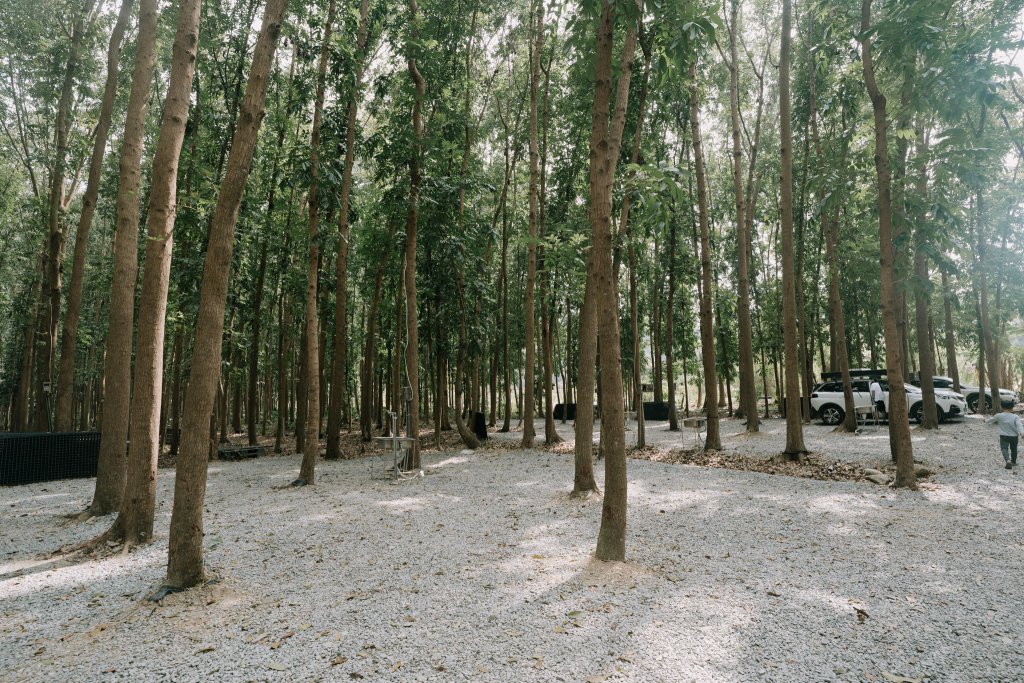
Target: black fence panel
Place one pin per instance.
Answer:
(30, 458)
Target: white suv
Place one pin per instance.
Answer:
(828, 404)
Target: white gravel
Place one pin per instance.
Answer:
(482, 571)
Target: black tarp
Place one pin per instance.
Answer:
(655, 410)
(480, 425)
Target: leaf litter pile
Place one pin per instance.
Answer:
(811, 466)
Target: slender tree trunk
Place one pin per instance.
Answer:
(670, 366)
(175, 408)
(794, 427)
(713, 440)
(339, 388)
(604, 153)
(748, 398)
(135, 521)
(23, 392)
(839, 322)
(626, 230)
(284, 342)
(583, 480)
(185, 553)
(548, 314)
(370, 347)
(46, 354)
(117, 366)
(506, 368)
(922, 292)
(899, 427)
(531, 248)
(69, 336)
(947, 309)
(412, 368)
(311, 349)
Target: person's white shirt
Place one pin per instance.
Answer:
(876, 392)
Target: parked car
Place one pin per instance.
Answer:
(971, 393)
(828, 404)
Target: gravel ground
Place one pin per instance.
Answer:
(482, 571)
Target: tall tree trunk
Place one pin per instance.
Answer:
(922, 292)
(339, 388)
(311, 350)
(135, 521)
(252, 400)
(794, 428)
(23, 392)
(175, 408)
(252, 389)
(673, 413)
(548, 313)
(531, 247)
(603, 159)
(69, 336)
(604, 153)
(117, 366)
(370, 347)
(947, 309)
(837, 321)
(185, 550)
(831, 230)
(412, 362)
(46, 354)
(748, 397)
(284, 342)
(899, 427)
(713, 439)
(590, 353)
(626, 231)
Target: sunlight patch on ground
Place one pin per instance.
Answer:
(458, 460)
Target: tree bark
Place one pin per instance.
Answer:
(922, 293)
(899, 427)
(531, 247)
(604, 153)
(947, 309)
(69, 336)
(45, 356)
(339, 388)
(748, 398)
(117, 366)
(794, 427)
(712, 440)
(311, 349)
(135, 521)
(412, 369)
(185, 551)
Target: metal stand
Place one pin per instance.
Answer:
(698, 424)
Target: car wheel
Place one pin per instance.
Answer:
(915, 413)
(940, 413)
(972, 402)
(831, 415)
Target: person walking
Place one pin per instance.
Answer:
(1010, 429)
(878, 399)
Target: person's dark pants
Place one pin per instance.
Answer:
(880, 407)
(1008, 445)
